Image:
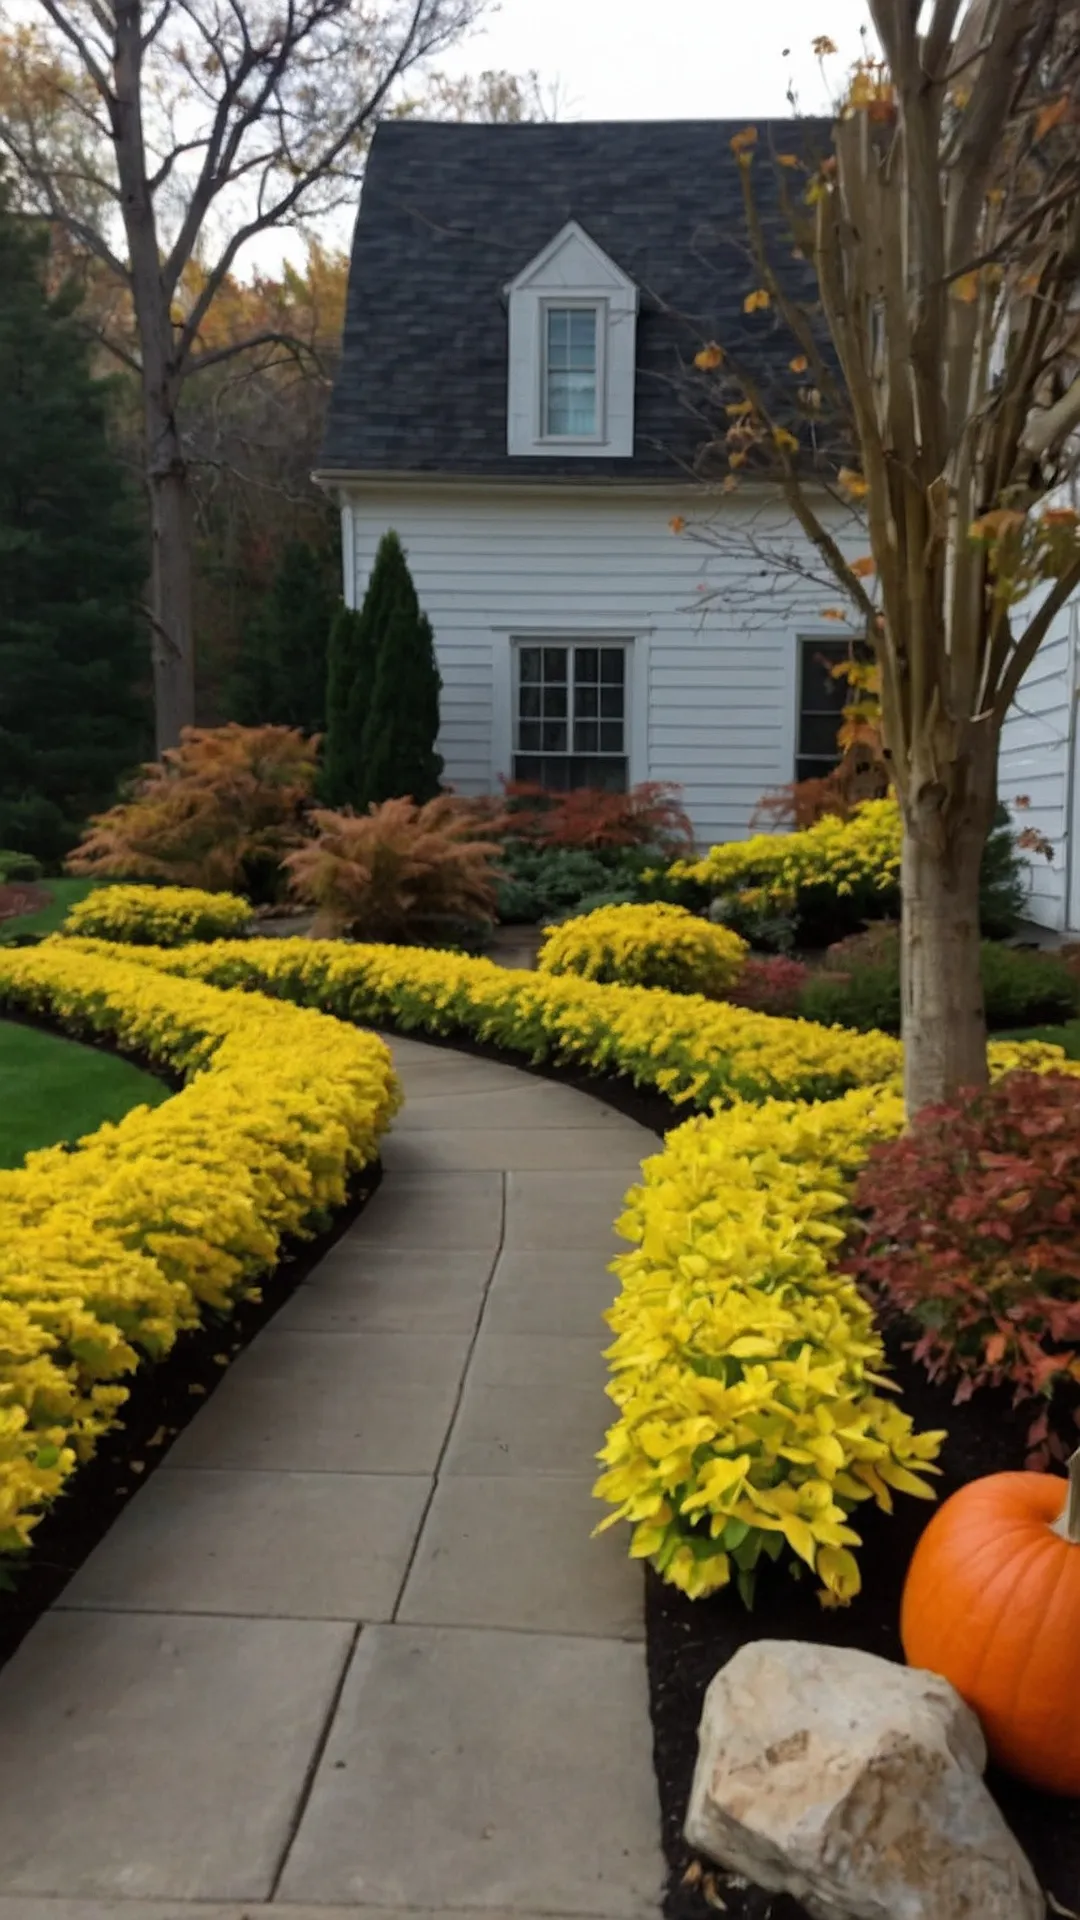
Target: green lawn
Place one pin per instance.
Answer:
(54, 1090)
(64, 893)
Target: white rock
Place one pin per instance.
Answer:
(856, 1786)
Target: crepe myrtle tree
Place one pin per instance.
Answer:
(191, 128)
(932, 386)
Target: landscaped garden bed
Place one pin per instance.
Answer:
(112, 1253)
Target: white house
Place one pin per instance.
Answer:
(517, 398)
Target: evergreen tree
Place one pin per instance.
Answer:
(280, 678)
(350, 671)
(73, 652)
(402, 721)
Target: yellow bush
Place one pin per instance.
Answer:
(687, 1047)
(852, 856)
(158, 916)
(647, 946)
(747, 1370)
(108, 1252)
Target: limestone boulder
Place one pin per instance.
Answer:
(856, 1786)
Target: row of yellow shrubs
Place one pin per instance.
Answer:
(158, 916)
(752, 1413)
(108, 1252)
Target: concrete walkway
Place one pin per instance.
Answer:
(352, 1650)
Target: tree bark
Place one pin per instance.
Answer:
(943, 1016)
(172, 608)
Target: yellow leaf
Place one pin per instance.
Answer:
(677, 523)
(833, 613)
(799, 364)
(736, 459)
(784, 440)
(799, 1536)
(739, 409)
(1051, 116)
(996, 524)
(757, 301)
(839, 1569)
(728, 483)
(709, 357)
(853, 483)
(863, 567)
(966, 288)
(788, 160)
(741, 141)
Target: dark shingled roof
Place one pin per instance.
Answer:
(449, 214)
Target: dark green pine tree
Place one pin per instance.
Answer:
(280, 676)
(398, 749)
(73, 648)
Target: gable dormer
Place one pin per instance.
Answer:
(572, 328)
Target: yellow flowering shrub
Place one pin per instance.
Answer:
(646, 946)
(685, 1046)
(158, 916)
(109, 1251)
(856, 856)
(753, 1412)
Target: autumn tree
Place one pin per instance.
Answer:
(203, 125)
(933, 384)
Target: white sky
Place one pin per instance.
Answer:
(640, 59)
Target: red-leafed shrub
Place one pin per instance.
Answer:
(769, 984)
(649, 815)
(969, 1224)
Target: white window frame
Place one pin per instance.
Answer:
(571, 271)
(599, 309)
(508, 682)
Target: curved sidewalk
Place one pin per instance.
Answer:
(351, 1651)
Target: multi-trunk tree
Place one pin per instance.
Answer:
(941, 399)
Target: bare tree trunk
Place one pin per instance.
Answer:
(172, 608)
(943, 1017)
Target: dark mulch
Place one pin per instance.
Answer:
(21, 896)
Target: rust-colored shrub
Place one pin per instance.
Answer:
(970, 1226)
(392, 872)
(769, 983)
(649, 815)
(219, 812)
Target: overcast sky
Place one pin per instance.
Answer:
(640, 59)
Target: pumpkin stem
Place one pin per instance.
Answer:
(1069, 1524)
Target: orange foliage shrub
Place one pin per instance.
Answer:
(391, 873)
(219, 811)
(589, 817)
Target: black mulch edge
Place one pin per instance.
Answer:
(687, 1641)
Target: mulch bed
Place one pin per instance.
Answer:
(21, 896)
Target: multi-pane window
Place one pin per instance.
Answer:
(570, 715)
(822, 699)
(571, 404)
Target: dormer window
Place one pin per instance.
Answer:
(572, 326)
(571, 367)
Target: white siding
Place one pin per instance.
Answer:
(714, 672)
(1035, 764)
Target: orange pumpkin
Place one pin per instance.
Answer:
(992, 1602)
